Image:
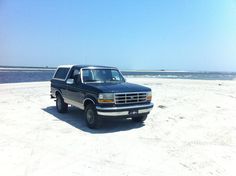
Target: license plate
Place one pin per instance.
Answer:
(133, 112)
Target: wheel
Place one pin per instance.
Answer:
(62, 107)
(91, 117)
(139, 118)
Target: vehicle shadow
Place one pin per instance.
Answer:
(75, 118)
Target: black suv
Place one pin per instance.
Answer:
(102, 92)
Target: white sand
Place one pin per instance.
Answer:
(191, 131)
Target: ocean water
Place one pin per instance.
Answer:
(14, 76)
(185, 75)
(24, 76)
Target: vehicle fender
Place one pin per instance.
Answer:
(90, 98)
(57, 90)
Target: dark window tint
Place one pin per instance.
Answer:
(61, 73)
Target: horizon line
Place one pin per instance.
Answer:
(3, 67)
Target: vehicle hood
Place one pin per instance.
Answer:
(118, 87)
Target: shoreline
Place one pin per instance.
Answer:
(137, 78)
(27, 69)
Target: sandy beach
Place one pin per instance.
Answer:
(191, 131)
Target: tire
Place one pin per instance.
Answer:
(91, 117)
(139, 118)
(62, 107)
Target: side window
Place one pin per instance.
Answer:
(115, 75)
(76, 76)
(74, 73)
(61, 73)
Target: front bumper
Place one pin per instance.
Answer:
(124, 110)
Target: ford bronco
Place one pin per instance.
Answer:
(102, 92)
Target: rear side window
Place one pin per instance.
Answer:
(61, 73)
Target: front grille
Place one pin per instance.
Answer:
(132, 97)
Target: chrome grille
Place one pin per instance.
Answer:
(130, 97)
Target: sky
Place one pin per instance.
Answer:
(193, 35)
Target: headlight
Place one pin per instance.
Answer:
(149, 96)
(106, 98)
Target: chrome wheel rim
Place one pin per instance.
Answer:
(90, 116)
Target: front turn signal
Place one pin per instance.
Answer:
(149, 96)
(105, 101)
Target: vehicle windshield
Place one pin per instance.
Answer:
(101, 76)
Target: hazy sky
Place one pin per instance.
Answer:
(129, 34)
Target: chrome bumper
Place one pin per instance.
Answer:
(124, 111)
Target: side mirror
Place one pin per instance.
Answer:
(70, 81)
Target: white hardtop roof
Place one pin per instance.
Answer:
(65, 66)
(87, 66)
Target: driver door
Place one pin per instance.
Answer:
(75, 93)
